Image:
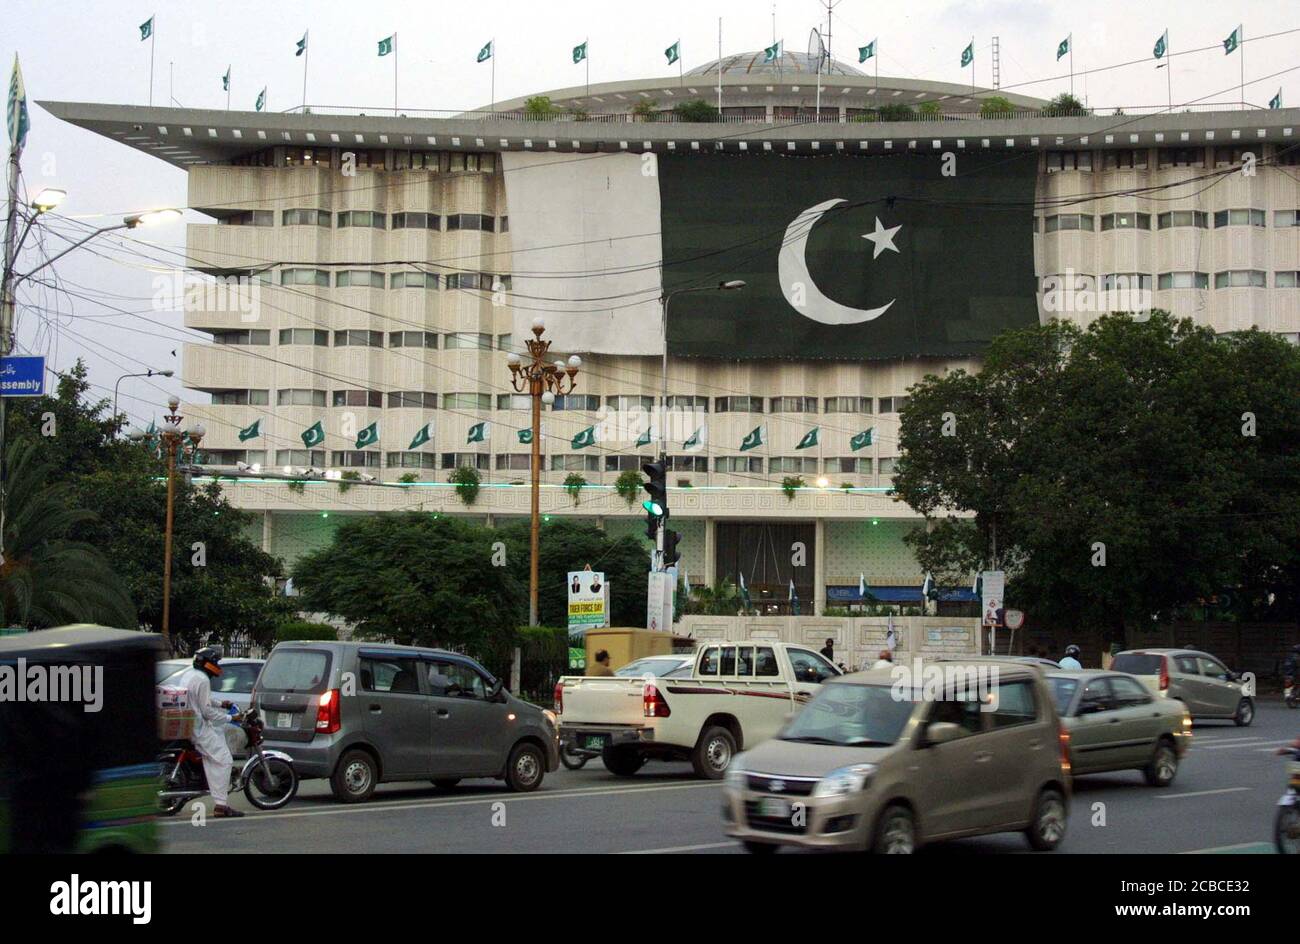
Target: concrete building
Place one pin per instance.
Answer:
(381, 285)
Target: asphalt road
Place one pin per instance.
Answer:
(1222, 802)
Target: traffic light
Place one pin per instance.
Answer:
(671, 554)
(656, 506)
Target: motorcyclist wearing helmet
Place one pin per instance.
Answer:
(1071, 659)
(1291, 662)
(209, 733)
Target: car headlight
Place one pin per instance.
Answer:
(844, 781)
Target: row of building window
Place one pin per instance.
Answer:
(373, 278)
(369, 219)
(1169, 220)
(1138, 158)
(355, 337)
(1128, 281)
(513, 401)
(522, 462)
(397, 159)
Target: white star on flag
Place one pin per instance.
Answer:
(883, 238)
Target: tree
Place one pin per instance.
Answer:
(569, 545)
(895, 113)
(415, 579)
(696, 110)
(540, 108)
(1064, 105)
(645, 109)
(996, 106)
(1117, 473)
(722, 600)
(221, 581)
(48, 578)
(929, 109)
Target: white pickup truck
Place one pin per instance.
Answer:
(734, 695)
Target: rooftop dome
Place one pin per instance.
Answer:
(790, 63)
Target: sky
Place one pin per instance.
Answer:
(91, 51)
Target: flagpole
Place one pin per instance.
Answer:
(228, 74)
(492, 105)
(1071, 39)
(306, 51)
(972, 64)
(719, 67)
(153, 42)
(1169, 74)
(394, 73)
(586, 61)
(1241, 44)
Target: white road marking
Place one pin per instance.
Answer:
(381, 807)
(1200, 793)
(670, 849)
(1244, 742)
(1258, 846)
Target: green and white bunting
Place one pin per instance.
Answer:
(302, 44)
(861, 440)
(580, 52)
(251, 432)
(368, 436)
(261, 100)
(478, 433)
(386, 45)
(424, 435)
(146, 29)
(1063, 47)
(485, 53)
(313, 435)
(754, 438)
(673, 52)
(584, 439)
(968, 54)
(809, 438)
(867, 52)
(1162, 45)
(1232, 42)
(773, 52)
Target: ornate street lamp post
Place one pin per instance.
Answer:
(543, 382)
(171, 439)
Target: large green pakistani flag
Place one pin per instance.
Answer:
(313, 435)
(368, 436)
(851, 258)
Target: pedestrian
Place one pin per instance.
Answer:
(828, 650)
(1071, 659)
(885, 660)
(601, 666)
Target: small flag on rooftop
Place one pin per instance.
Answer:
(1232, 42)
(1276, 100)
(580, 52)
(302, 44)
(867, 51)
(773, 52)
(146, 29)
(261, 100)
(386, 45)
(1162, 45)
(485, 53)
(968, 54)
(1062, 48)
(225, 80)
(673, 52)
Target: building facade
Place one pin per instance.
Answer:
(359, 269)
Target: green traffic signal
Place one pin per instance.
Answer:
(652, 507)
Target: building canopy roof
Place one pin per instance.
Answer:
(788, 63)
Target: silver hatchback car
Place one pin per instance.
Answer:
(1205, 685)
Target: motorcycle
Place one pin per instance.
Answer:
(574, 757)
(1291, 692)
(1286, 830)
(267, 778)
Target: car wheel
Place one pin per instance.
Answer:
(713, 753)
(623, 761)
(1286, 830)
(896, 832)
(1047, 828)
(1163, 767)
(355, 777)
(526, 768)
(759, 848)
(446, 783)
(1245, 713)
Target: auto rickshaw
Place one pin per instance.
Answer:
(78, 740)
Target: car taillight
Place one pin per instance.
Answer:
(559, 698)
(1164, 673)
(654, 704)
(328, 718)
(1063, 738)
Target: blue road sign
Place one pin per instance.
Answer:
(22, 376)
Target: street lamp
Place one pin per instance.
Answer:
(542, 382)
(147, 373)
(172, 438)
(730, 285)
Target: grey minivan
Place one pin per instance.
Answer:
(361, 714)
(1205, 685)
